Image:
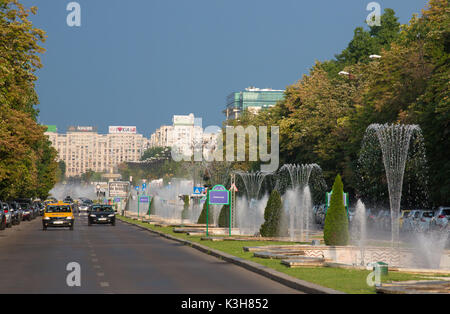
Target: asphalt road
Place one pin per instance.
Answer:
(120, 259)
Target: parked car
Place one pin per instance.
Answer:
(16, 212)
(101, 214)
(410, 223)
(28, 212)
(41, 207)
(441, 218)
(424, 221)
(8, 214)
(2, 220)
(404, 215)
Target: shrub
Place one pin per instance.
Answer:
(335, 231)
(272, 215)
(224, 216)
(185, 212)
(202, 217)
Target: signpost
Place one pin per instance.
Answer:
(218, 195)
(142, 199)
(198, 190)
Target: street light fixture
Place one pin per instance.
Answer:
(375, 57)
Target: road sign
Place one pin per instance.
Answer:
(118, 189)
(117, 200)
(234, 188)
(143, 199)
(144, 186)
(199, 190)
(136, 187)
(219, 195)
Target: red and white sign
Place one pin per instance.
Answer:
(122, 130)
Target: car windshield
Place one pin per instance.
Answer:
(427, 214)
(58, 209)
(25, 205)
(446, 212)
(102, 209)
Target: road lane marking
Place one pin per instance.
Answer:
(95, 260)
(104, 284)
(100, 274)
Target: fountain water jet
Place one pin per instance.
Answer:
(394, 141)
(298, 202)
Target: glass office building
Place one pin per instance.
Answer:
(252, 99)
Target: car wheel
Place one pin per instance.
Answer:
(71, 227)
(113, 223)
(9, 225)
(44, 228)
(3, 224)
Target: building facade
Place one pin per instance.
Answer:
(185, 134)
(83, 148)
(252, 99)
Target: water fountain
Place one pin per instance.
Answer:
(394, 141)
(250, 214)
(358, 230)
(298, 202)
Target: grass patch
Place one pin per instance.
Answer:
(346, 280)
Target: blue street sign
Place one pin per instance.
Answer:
(199, 190)
(144, 186)
(136, 187)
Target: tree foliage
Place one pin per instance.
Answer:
(324, 116)
(28, 165)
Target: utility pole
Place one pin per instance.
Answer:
(233, 201)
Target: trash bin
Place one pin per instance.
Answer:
(383, 268)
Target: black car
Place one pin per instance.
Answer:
(101, 214)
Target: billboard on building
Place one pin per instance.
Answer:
(82, 129)
(52, 128)
(122, 130)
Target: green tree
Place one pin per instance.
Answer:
(335, 230)
(272, 216)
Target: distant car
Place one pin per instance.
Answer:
(40, 206)
(58, 215)
(8, 214)
(424, 221)
(404, 214)
(2, 220)
(16, 212)
(84, 206)
(27, 211)
(441, 218)
(101, 214)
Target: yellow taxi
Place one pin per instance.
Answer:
(58, 215)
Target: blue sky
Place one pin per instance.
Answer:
(138, 62)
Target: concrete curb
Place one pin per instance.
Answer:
(301, 285)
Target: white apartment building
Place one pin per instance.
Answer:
(184, 134)
(83, 149)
